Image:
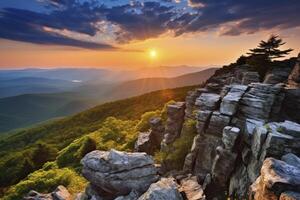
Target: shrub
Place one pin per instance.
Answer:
(143, 124)
(72, 154)
(174, 157)
(117, 134)
(45, 182)
(17, 165)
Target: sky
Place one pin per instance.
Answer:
(122, 34)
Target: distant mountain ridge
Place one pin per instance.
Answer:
(23, 110)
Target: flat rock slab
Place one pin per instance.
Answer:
(119, 173)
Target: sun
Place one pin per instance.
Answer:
(152, 53)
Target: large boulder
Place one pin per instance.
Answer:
(165, 189)
(118, 173)
(276, 178)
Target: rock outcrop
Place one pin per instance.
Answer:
(60, 193)
(294, 77)
(191, 189)
(165, 189)
(116, 173)
(150, 141)
(278, 180)
(175, 113)
(243, 128)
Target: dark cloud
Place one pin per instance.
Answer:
(251, 16)
(28, 26)
(134, 20)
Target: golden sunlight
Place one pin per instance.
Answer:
(152, 53)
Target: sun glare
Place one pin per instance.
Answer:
(153, 53)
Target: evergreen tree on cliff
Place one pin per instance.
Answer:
(270, 49)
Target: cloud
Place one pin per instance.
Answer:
(28, 26)
(125, 21)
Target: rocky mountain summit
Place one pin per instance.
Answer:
(247, 144)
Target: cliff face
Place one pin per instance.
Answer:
(240, 122)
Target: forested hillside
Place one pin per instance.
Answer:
(27, 150)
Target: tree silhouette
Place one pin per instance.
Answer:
(270, 49)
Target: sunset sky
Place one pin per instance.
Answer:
(122, 34)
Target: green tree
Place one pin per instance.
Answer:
(270, 48)
(43, 153)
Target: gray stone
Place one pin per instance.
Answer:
(250, 125)
(175, 119)
(250, 77)
(206, 151)
(165, 189)
(132, 196)
(291, 159)
(144, 143)
(208, 101)
(239, 183)
(290, 128)
(223, 165)
(217, 123)
(34, 195)
(60, 193)
(118, 173)
(203, 117)
(231, 100)
(230, 135)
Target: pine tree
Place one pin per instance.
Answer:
(270, 49)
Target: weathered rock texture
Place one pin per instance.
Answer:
(294, 77)
(150, 141)
(60, 193)
(115, 173)
(175, 113)
(191, 189)
(240, 125)
(277, 180)
(165, 189)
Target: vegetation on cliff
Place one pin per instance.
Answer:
(64, 142)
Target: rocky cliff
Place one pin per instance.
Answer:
(246, 146)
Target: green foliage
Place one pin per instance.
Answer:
(46, 181)
(50, 165)
(143, 124)
(174, 157)
(17, 149)
(117, 134)
(17, 166)
(270, 48)
(72, 154)
(164, 110)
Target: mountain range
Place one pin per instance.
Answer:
(27, 109)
